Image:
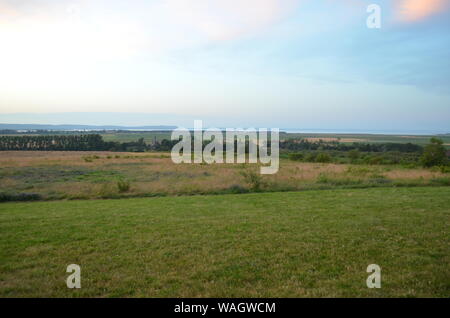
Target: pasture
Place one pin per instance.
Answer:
(292, 244)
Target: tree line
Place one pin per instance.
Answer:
(303, 144)
(95, 142)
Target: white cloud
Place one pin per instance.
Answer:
(228, 19)
(416, 10)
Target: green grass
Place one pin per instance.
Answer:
(149, 136)
(292, 244)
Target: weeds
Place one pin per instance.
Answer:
(123, 186)
(254, 179)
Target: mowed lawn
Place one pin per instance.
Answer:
(291, 244)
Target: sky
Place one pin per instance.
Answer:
(231, 63)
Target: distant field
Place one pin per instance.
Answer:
(151, 136)
(369, 138)
(315, 243)
(86, 175)
(344, 138)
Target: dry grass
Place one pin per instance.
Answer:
(57, 175)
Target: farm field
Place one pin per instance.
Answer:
(151, 136)
(368, 138)
(291, 244)
(313, 137)
(94, 175)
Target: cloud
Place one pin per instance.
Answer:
(105, 27)
(223, 20)
(417, 10)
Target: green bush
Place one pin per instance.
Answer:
(311, 157)
(323, 157)
(322, 178)
(296, 156)
(434, 154)
(444, 181)
(236, 188)
(353, 155)
(254, 179)
(376, 160)
(123, 186)
(445, 169)
(5, 197)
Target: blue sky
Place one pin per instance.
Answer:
(266, 63)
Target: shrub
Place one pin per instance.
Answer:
(445, 181)
(353, 155)
(123, 186)
(445, 169)
(434, 154)
(4, 197)
(296, 156)
(379, 179)
(322, 178)
(311, 157)
(377, 160)
(323, 157)
(254, 179)
(236, 188)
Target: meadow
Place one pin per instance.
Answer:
(56, 175)
(141, 226)
(291, 244)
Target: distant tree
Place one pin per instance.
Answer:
(323, 157)
(296, 156)
(353, 155)
(434, 154)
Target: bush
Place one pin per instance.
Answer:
(377, 160)
(353, 155)
(5, 197)
(445, 181)
(296, 156)
(123, 186)
(254, 179)
(323, 158)
(311, 157)
(235, 189)
(434, 154)
(322, 178)
(444, 169)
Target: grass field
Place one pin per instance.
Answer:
(291, 244)
(85, 175)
